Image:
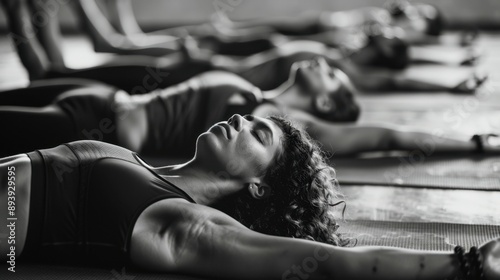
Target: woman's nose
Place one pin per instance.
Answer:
(236, 121)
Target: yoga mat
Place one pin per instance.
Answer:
(420, 236)
(473, 173)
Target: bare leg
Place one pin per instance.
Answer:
(29, 49)
(45, 20)
(104, 37)
(107, 39)
(126, 21)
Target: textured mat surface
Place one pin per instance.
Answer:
(420, 236)
(474, 172)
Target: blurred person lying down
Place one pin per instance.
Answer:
(167, 121)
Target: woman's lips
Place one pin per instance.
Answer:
(226, 130)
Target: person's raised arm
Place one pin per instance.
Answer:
(199, 240)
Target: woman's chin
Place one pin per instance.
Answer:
(209, 141)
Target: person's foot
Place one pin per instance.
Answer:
(471, 84)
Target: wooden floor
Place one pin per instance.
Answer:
(423, 110)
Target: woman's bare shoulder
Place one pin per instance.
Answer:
(176, 215)
(165, 227)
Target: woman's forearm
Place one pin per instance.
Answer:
(354, 138)
(391, 263)
(406, 139)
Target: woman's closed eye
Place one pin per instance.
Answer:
(248, 117)
(257, 136)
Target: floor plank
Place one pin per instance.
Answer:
(422, 205)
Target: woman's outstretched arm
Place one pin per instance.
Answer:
(195, 239)
(343, 139)
(354, 138)
(413, 79)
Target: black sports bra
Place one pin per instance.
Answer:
(92, 195)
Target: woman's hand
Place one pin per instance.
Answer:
(488, 143)
(492, 143)
(491, 259)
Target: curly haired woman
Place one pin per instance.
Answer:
(253, 203)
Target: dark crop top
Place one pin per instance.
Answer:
(179, 114)
(85, 199)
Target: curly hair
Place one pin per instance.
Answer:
(303, 191)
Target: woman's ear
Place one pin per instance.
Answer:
(259, 191)
(324, 103)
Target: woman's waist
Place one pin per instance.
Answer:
(15, 180)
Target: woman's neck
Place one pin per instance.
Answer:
(204, 186)
(288, 95)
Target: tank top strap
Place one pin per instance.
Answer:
(169, 186)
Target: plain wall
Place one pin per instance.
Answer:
(153, 14)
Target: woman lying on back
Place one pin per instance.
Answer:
(253, 203)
